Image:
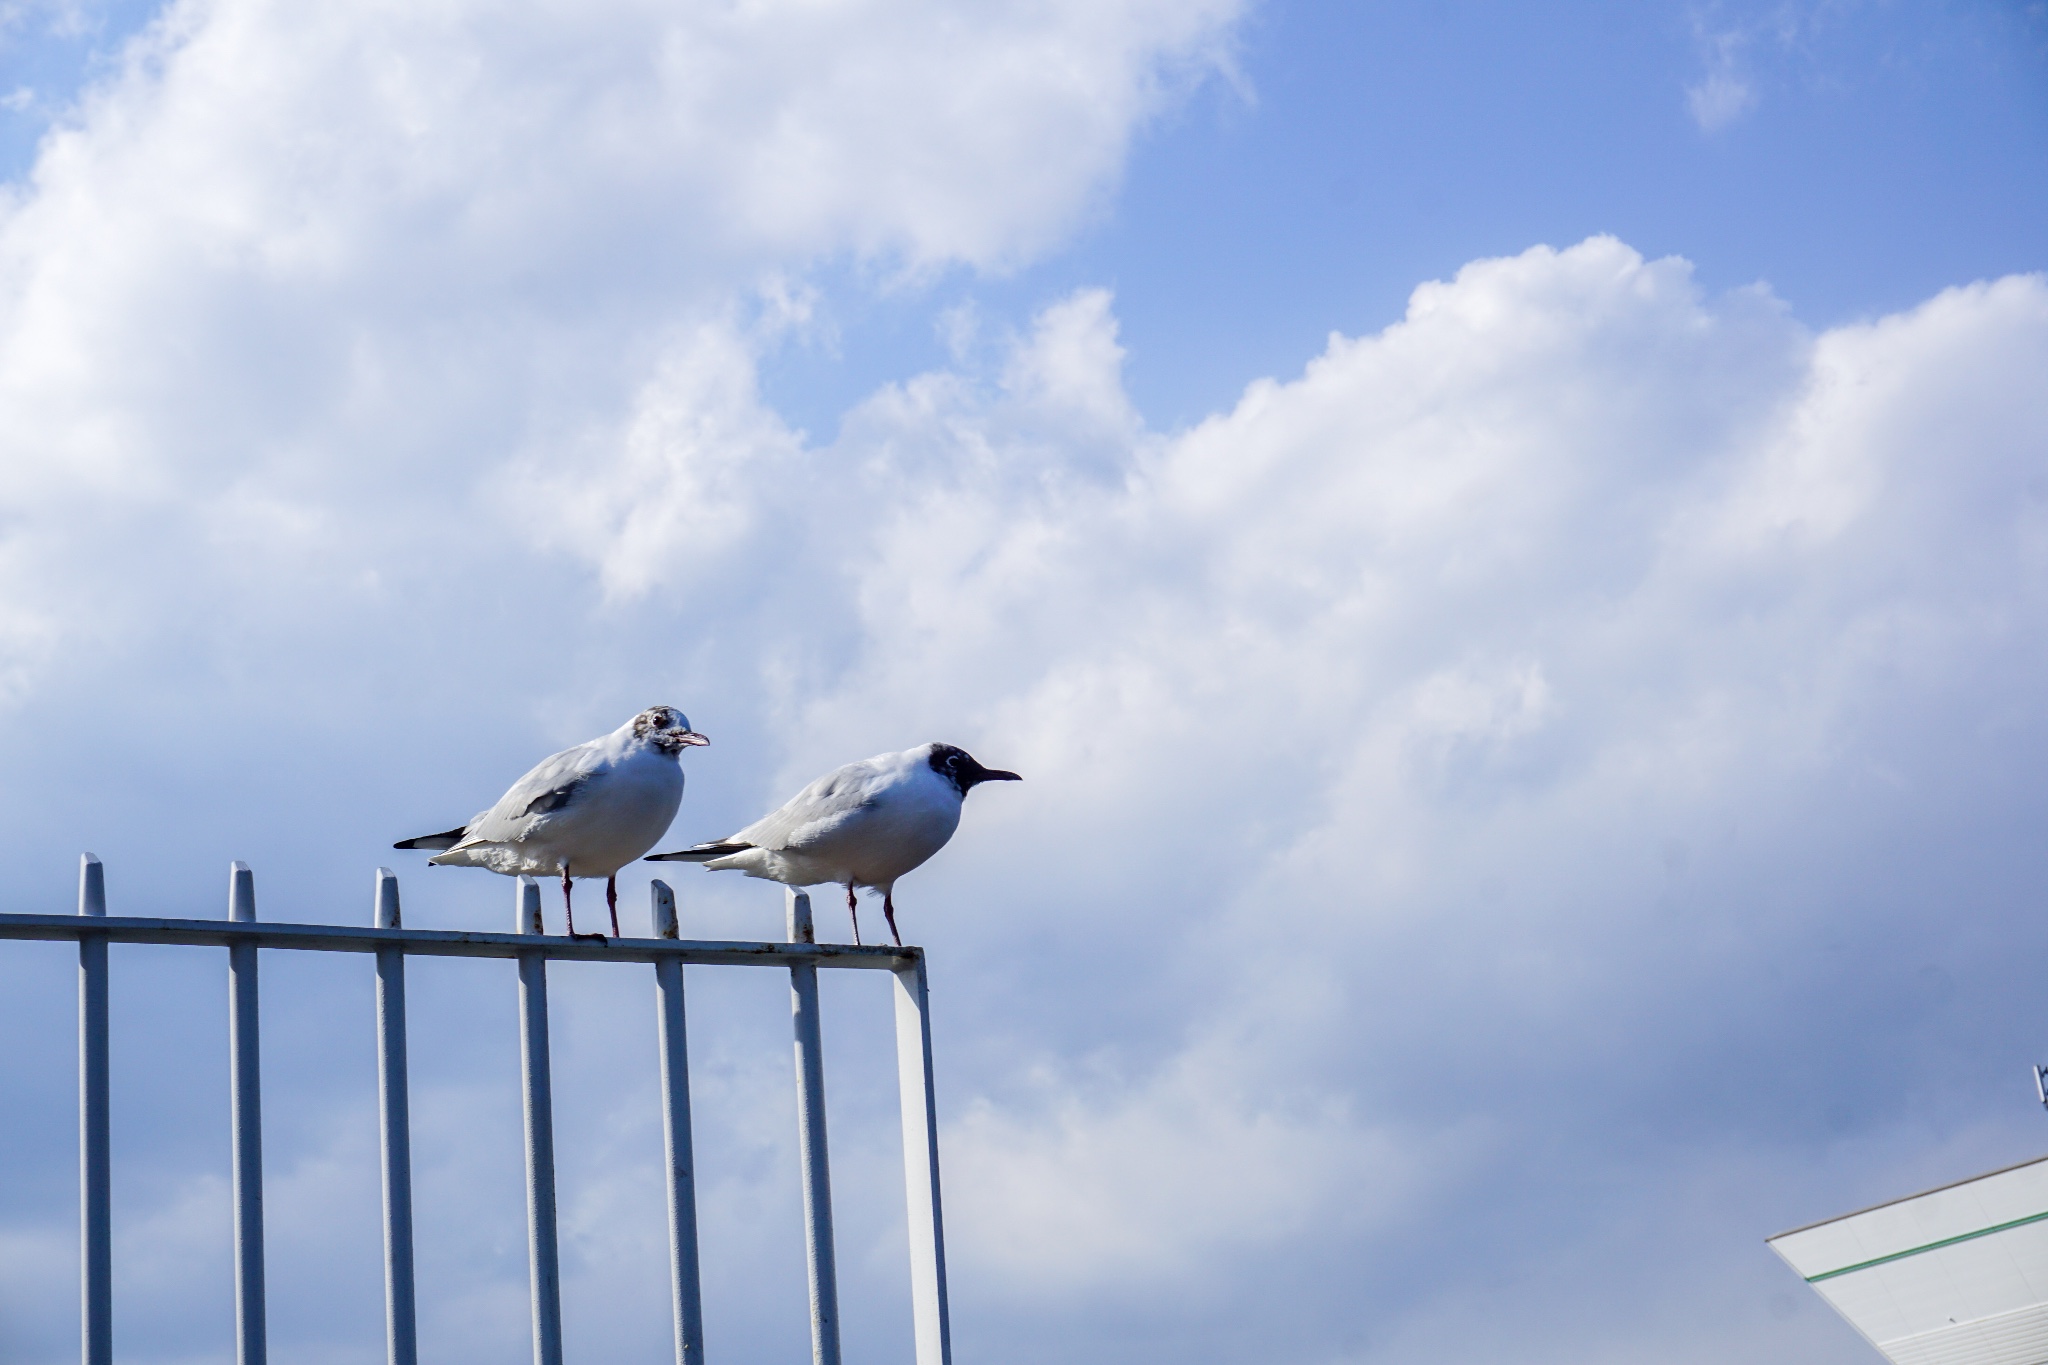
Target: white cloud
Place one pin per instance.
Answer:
(1724, 91)
(1720, 97)
(433, 145)
(1117, 1186)
(322, 253)
(677, 495)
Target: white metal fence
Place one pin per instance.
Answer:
(242, 935)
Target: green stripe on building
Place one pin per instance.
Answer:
(1931, 1246)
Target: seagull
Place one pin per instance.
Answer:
(585, 812)
(865, 824)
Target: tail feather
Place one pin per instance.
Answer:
(702, 853)
(435, 841)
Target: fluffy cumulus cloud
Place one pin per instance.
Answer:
(281, 264)
(1514, 813)
(1495, 775)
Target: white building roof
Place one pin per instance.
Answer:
(1952, 1276)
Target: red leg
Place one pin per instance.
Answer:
(569, 909)
(889, 913)
(611, 902)
(853, 909)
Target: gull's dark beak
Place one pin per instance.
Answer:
(689, 737)
(996, 775)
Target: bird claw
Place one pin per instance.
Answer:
(599, 937)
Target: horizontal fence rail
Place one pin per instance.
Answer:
(242, 934)
(213, 933)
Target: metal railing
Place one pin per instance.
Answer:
(242, 935)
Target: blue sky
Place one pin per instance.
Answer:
(1880, 152)
(1507, 543)
(1864, 155)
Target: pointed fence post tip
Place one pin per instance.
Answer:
(385, 913)
(663, 897)
(241, 892)
(797, 907)
(526, 907)
(92, 885)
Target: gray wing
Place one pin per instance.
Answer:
(551, 786)
(813, 813)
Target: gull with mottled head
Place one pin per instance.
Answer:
(585, 812)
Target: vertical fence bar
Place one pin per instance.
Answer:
(934, 1330)
(810, 1103)
(394, 1112)
(245, 1091)
(95, 1163)
(687, 1297)
(542, 1249)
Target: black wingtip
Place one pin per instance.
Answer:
(702, 853)
(445, 840)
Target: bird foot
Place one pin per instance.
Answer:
(599, 937)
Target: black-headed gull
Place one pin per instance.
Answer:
(585, 812)
(864, 825)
